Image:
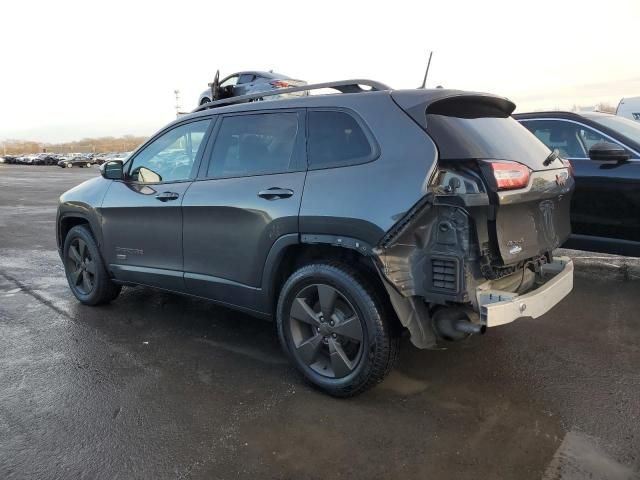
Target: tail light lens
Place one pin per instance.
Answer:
(509, 175)
(279, 84)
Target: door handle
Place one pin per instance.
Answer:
(167, 196)
(275, 193)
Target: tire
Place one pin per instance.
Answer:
(68, 165)
(86, 274)
(338, 363)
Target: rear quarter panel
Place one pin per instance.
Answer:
(364, 201)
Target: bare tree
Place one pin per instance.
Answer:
(605, 107)
(86, 145)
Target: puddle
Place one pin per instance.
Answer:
(579, 457)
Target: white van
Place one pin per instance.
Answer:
(629, 108)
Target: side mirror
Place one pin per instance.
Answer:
(608, 152)
(112, 170)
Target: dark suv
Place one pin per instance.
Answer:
(347, 218)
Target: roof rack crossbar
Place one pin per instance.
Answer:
(342, 86)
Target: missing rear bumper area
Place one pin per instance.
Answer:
(498, 307)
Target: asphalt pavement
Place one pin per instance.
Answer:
(158, 385)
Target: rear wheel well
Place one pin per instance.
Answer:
(297, 256)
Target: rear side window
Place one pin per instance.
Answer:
(336, 139)
(246, 78)
(256, 144)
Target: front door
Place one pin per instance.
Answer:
(605, 201)
(246, 197)
(142, 217)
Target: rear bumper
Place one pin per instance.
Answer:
(498, 307)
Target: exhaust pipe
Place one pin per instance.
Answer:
(465, 326)
(452, 323)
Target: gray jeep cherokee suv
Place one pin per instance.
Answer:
(348, 219)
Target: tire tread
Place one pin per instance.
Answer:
(105, 290)
(384, 353)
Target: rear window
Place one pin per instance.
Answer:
(336, 139)
(500, 138)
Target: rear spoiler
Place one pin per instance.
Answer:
(452, 103)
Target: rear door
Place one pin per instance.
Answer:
(246, 197)
(142, 216)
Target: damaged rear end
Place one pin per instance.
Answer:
(476, 251)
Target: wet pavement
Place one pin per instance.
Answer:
(158, 385)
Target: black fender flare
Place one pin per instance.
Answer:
(91, 220)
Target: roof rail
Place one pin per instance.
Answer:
(343, 86)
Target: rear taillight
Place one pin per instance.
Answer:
(567, 164)
(280, 84)
(509, 175)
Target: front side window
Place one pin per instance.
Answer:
(336, 139)
(229, 82)
(170, 157)
(257, 144)
(572, 140)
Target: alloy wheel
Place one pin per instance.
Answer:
(81, 267)
(326, 331)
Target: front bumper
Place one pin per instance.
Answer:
(498, 307)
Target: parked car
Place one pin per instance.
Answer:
(122, 156)
(98, 158)
(77, 161)
(47, 159)
(244, 83)
(604, 151)
(629, 108)
(347, 218)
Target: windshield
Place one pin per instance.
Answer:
(626, 127)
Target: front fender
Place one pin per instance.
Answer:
(82, 202)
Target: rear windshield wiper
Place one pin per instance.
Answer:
(551, 158)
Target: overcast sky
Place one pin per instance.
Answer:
(72, 69)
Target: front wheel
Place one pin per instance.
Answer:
(86, 274)
(334, 327)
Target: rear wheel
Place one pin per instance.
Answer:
(86, 274)
(334, 327)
